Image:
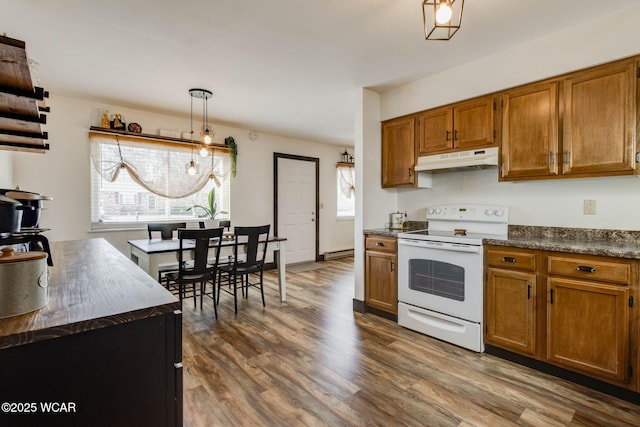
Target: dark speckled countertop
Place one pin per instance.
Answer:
(393, 232)
(615, 243)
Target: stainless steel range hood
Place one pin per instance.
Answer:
(460, 160)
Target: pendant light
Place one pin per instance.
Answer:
(191, 167)
(442, 18)
(204, 94)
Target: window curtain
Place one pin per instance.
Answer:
(158, 166)
(346, 181)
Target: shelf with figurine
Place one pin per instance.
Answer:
(109, 131)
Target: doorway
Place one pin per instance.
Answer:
(296, 201)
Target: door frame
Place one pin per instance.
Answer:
(315, 160)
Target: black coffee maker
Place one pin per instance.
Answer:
(19, 220)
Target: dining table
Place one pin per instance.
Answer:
(148, 254)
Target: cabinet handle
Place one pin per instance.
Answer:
(508, 259)
(551, 299)
(566, 157)
(586, 269)
(455, 135)
(447, 135)
(552, 159)
(410, 172)
(528, 291)
(379, 244)
(392, 266)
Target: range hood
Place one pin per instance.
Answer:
(459, 160)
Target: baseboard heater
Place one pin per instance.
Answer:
(337, 254)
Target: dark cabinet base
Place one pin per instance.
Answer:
(127, 374)
(622, 393)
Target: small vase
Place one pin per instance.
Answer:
(211, 223)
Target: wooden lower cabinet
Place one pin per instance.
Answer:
(381, 273)
(511, 310)
(569, 310)
(588, 328)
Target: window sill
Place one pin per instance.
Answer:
(345, 218)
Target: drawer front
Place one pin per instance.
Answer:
(381, 243)
(602, 270)
(509, 258)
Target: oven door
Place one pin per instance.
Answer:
(442, 277)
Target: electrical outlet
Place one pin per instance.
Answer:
(589, 207)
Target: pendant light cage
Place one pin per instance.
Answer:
(435, 30)
(204, 94)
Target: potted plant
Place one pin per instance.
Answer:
(209, 212)
(233, 153)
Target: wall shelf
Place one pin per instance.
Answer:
(20, 102)
(114, 132)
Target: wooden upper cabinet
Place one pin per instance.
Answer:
(600, 119)
(530, 132)
(435, 130)
(398, 152)
(463, 126)
(473, 123)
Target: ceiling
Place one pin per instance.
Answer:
(287, 67)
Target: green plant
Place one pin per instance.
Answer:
(233, 154)
(212, 210)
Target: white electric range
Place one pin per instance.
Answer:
(440, 285)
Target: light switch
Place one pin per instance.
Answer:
(589, 207)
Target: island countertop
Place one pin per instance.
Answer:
(91, 285)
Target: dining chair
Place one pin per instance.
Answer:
(166, 230)
(202, 268)
(244, 266)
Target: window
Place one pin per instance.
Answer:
(346, 191)
(137, 181)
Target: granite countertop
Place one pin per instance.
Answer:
(91, 285)
(614, 243)
(393, 232)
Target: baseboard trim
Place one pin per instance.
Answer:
(336, 254)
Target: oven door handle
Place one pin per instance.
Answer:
(444, 246)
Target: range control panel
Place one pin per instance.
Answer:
(468, 212)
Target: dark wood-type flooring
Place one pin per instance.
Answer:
(313, 361)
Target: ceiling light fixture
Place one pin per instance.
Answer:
(191, 167)
(204, 94)
(442, 18)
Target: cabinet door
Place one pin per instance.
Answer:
(588, 327)
(381, 281)
(473, 123)
(530, 132)
(435, 131)
(510, 313)
(398, 152)
(599, 120)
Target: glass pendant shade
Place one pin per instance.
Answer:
(442, 18)
(191, 169)
(203, 151)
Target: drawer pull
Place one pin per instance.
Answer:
(528, 291)
(508, 259)
(586, 269)
(379, 244)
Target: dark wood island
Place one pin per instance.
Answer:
(106, 350)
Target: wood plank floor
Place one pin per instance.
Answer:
(313, 361)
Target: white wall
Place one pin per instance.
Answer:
(552, 202)
(63, 173)
(6, 169)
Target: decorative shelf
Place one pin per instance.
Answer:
(20, 102)
(105, 131)
(346, 164)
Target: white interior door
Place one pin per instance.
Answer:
(297, 208)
